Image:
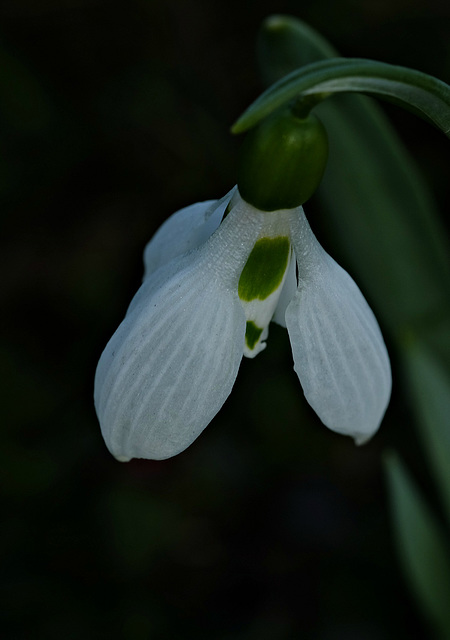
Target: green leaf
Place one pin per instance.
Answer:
(430, 386)
(285, 43)
(428, 97)
(380, 216)
(422, 547)
(380, 219)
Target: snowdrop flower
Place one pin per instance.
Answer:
(216, 274)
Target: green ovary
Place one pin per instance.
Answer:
(264, 269)
(252, 333)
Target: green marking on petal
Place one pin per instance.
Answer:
(252, 333)
(264, 269)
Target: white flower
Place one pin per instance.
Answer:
(210, 290)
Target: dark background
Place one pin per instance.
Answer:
(112, 116)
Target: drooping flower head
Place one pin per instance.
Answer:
(216, 274)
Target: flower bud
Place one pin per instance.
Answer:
(282, 161)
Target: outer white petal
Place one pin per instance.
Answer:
(184, 230)
(173, 361)
(339, 353)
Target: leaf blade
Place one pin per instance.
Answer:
(422, 546)
(430, 396)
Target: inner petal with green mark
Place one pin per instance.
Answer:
(261, 282)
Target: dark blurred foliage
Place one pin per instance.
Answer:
(112, 116)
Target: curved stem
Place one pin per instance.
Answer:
(425, 95)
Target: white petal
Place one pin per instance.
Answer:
(172, 362)
(184, 230)
(169, 369)
(339, 353)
